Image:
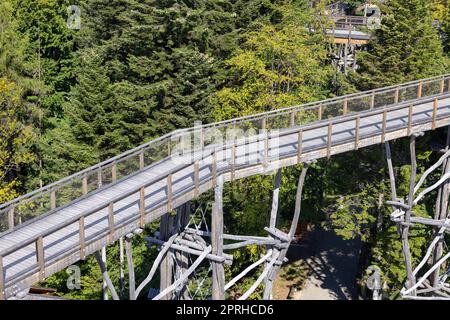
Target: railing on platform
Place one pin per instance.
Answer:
(63, 192)
(349, 22)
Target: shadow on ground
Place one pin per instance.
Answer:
(332, 263)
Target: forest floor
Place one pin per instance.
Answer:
(322, 266)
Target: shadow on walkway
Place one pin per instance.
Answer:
(333, 264)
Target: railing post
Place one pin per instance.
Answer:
(53, 200)
(84, 185)
(396, 96)
(442, 86)
(214, 168)
(372, 101)
(11, 218)
(233, 160)
(299, 146)
(419, 90)
(2, 280)
(141, 160)
(142, 206)
(410, 113)
(169, 150)
(435, 106)
(169, 193)
(266, 150)
(202, 138)
(196, 179)
(111, 221)
(345, 107)
(320, 112)
(330, 132)
(114, 172)
(357, 132)
(263, 124)
(40, 257)
(293, 119)
(99, 178)
(383, 133)
(82, 239)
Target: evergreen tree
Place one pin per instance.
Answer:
(406, 47)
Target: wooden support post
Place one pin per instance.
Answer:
(169, 149)
(84, 185)
(372, 101)
(196, 179)
(419, 90)
(121, 271)
(202, 138)
(214, 169)
(275, 197)
(264, 123)
(346, 58)
(383, 132)
(142, 206)
(82, 238)
(345, 108)
(141, 160)
(218, 273)
(53, 200)
(266, 150)
(131, 277)
(169, 193)
(441, 213)
(410, 114)
(435, 106)
(99, 178)
(11, 218)
(233, 161)
(330, 132)
(357, 124)
(106, 277)
(396, 95)
(320, 112)
(182, 221)
(166, 231)
(272, 225)
(298, 201)
(114, 172)
(391, 171)
(2, 280)
(104, 284)
(299, 146)
(40, 258)
(292, 119)
(404, 229)
(111, 222)
(441, 91)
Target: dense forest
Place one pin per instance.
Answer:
(134, 70)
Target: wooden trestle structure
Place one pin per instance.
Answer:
(428, 280)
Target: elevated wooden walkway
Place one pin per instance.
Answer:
(53, 227)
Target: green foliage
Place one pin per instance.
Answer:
(406, 47)
(275, 68)
(16, 136)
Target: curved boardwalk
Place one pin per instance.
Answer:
(65, 234)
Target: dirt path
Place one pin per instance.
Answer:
(333, 266)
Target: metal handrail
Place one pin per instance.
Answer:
(182, 132)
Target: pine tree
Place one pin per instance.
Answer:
(406, 47)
